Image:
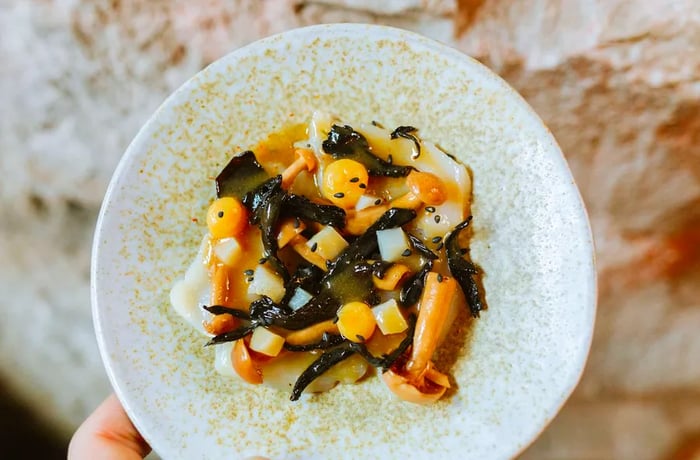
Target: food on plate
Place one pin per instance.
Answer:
(330, 249)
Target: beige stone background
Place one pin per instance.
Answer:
(617, 81)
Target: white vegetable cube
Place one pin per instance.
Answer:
(328, 243)
(367, 201)
(389, 318)
(267, 282)
(300, 298)
(228, 250)
(266, 342)
(392, 244)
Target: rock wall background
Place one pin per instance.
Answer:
(618, 82)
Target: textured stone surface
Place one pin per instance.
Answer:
(618, 82)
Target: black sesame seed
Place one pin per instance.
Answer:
(436, 239)
(248, 272)
(406, 252)
(355, 179)
(335, 320)
(220, 214)
(339, 195)
(262, 260)
(439, 278)
(378, 201)
(463, 251)
(439, 246)
(360, 338)
(250, 279)
(329, 264)
(362, 185)
(314, 247)
(437, 219)
(297, 222)
(429, 209)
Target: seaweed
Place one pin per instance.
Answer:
(241, 176)
(265, 312)
(463, 270)
(307, 276)
(344, 351)
(419, 246)
(318, 367)
(380, 267)
(321, 307)
(366, 244)
(265, 203)
(345, 142)
(406, 133)
(221, 310)
(413, 287)
(327, 341)
(302, 207)
(233, 335)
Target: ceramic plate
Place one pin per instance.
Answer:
(516, 365)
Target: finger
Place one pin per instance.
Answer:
(108, 434)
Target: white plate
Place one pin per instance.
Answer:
(518, 363)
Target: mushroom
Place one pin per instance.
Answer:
(423, 188)
(219, 284)
(417, 380)
(312, 334)
(298, 243)
(290, 235)
(289, 229)
(305, 161)
(244, 363)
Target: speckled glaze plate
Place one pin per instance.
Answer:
(517, 364)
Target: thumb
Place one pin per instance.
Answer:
(108, 434)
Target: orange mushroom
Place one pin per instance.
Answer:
(312, 333)
(417, 380)
(305, 161)
(243, 363)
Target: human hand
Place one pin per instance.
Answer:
(108, 434)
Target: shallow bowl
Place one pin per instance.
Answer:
(518, 363)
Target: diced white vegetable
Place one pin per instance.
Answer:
(228, 250)
(266, 342)
(266, 282)
(300, 298)
(367, 201)
(222, 359)
(392, 243)
(389, 317)
(328, 242)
